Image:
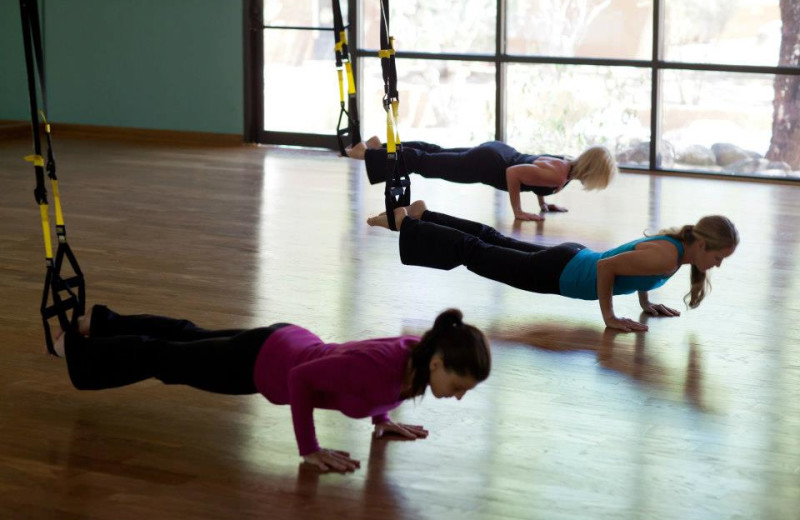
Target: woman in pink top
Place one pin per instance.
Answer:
(285, 363)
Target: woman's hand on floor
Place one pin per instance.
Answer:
(657, 309)
(524, 215)
(552, 208)
(625, 324)
(332, 460)
(408, 431)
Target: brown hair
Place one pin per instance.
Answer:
(719, 233)
(463, 347)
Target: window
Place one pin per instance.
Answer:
(673, 85)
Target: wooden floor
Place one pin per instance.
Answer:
(697, 419)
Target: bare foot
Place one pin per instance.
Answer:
(356, 151)
(416, 209)
(373, 142)
(85, 324)
(383, 221)
(58, 344)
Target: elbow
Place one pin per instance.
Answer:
(605, 271)
(602, 267)
(511, 177)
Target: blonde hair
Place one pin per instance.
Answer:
(595, 168)
(719, 233)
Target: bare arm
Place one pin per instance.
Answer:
(542, 203)
(531, 175)
(648, 259)
(541, 173)
(514, 185)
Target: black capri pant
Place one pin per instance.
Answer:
(484, 164)
(122, 350)
(444, 242)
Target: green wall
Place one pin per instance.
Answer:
(155, 64)
(13, 92)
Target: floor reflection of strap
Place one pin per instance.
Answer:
(68, 294)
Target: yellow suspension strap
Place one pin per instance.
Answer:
(398, 185)
(68, 293)
(345, 67)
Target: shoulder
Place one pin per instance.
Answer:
(661, 246)
(555, 164)
(380, 350)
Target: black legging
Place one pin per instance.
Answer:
(485, 163)
(444, 242)
(122, 350)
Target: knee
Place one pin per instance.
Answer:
(185, 325)
(489, 234)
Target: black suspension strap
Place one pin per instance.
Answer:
(398, 185)
(68, 293)
(344, 67)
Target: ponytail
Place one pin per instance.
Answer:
(463, 347)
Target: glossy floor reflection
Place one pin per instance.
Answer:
(698, 418)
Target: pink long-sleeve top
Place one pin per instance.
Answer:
(358, 378)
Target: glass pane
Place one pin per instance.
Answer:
(563, 109)
(723, 122)
(451, 103)
(306, 13)
(581, 28)
(301, 89)
(740, 32)
(466, 27)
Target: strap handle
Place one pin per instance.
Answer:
(344, 69)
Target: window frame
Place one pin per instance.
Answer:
(254, 80)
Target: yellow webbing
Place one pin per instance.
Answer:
(37, 160)
(46, 124)
(390, 134)
(57, 201)
(48, 246)
(351, 82)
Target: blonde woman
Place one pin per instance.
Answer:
(499, 165)
(441, 241)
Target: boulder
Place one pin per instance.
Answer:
(696, 155)
(779, 165)
(638, 153)
(727, 154)
(748, 166)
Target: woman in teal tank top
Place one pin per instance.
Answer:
(442, 241)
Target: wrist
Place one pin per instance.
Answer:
(310, 453)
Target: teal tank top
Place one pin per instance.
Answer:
(579, 277)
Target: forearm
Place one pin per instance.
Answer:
(514, 187)
(605, 290)
(514, 197)
(644, 299)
